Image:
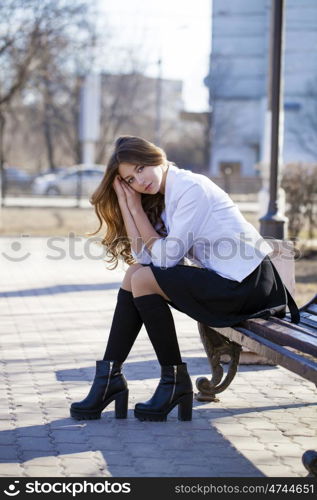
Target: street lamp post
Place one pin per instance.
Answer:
(158, 103)
(274, 223)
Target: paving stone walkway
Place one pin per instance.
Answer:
(56, 306)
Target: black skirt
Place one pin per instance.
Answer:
(214, 300)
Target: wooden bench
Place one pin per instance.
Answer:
(292, 346)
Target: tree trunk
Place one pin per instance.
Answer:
(48, 140)
(2, 175)
(47, 125)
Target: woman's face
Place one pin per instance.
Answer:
(147, 180)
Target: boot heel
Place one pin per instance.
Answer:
(185, 407)
(121, 404)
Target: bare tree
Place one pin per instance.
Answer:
(30, 32)
(128, 104)
(47, 102)
(57, 81)
(59, 84)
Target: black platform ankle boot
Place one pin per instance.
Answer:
(175, 388)
(109, 384)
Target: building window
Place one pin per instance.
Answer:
(230, 168)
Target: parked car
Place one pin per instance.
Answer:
(57, 170)
(16, 180)
(79, 179)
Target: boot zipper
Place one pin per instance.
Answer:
(174, 385)
(110, 370)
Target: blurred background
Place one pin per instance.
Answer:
(193, 77)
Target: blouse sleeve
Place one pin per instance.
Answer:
(186, 222)
(143, 257)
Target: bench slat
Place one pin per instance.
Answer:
(283, 335)
(299, 326)
(312, 308)
(306, 321)
(309, 321)
(278, 354)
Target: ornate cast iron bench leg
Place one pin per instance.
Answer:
(215, 346)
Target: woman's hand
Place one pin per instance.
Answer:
(117, 186)
(133, 198)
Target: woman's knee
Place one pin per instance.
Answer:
(143, 282)
(141, 276)
(129, 273)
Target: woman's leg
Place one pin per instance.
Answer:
(109, 383)
(126, 322)
(150, 300)
(175, 387)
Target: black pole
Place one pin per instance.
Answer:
(273, 223)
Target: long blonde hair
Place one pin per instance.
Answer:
(134, 150)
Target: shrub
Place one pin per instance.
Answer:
(299, 181)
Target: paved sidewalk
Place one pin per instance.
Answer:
(56, 306)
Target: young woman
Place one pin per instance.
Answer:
(187, 245)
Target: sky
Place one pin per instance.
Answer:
(176, 31)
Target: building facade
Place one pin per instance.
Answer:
(238, 84)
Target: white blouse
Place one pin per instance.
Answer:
(205, 228)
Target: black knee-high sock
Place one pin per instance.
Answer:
(125, 327)
(159, 323)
